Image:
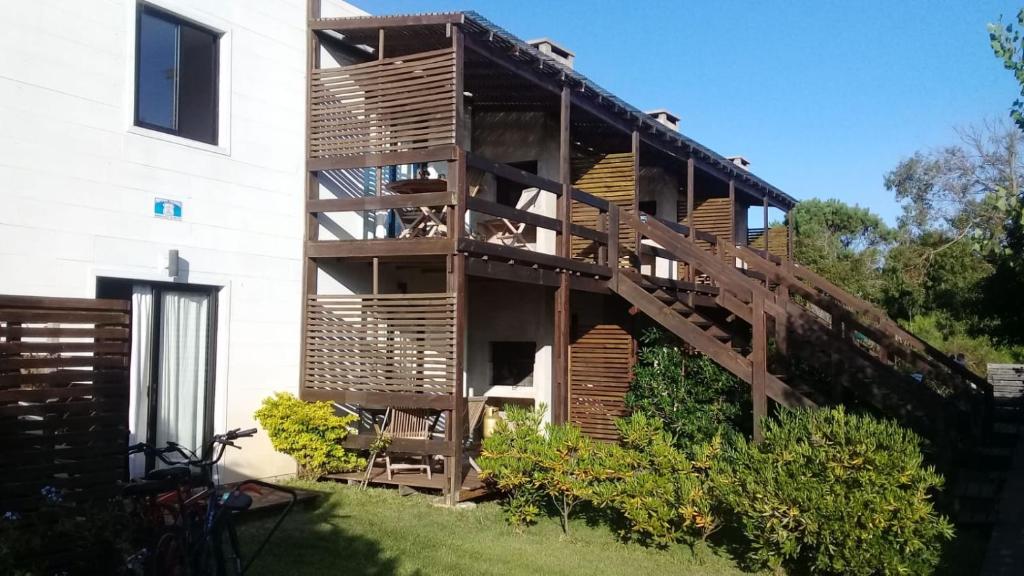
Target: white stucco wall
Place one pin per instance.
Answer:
(78, 181)
(509, 312)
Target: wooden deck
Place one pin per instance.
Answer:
(472, 486)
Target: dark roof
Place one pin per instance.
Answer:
(518, 49)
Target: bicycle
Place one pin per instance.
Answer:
(190, 514)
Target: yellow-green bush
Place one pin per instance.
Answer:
(310, 432)
(834, 493)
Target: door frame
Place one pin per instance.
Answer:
(121, 288)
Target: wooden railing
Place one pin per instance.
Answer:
(870, 330)
(513, 233)
(381, 349)
(385, 106)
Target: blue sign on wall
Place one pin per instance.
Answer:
(164, 208)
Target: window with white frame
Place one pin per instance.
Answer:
(176, 75)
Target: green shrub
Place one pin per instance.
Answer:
(310, 432)
(507, 460)
(695, 398)
(832, 492)
(661, 494)
(561, 463)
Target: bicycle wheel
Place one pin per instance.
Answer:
(169, 557)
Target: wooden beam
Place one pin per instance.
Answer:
(516, 215)
(456, 428)
(481, 248)
(403, 445)
(690, 178)
(514, 174)
(732, 217)
(765, 234)
(377, 399)
(512, 272)
(435, 154)
(565, 174)
(378, 247)
(560, 365)
(370, 22)
(365, 203)
(635, 207)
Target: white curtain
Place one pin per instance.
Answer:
(140, 373)
(181, 402)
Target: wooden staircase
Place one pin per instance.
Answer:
(752, 300)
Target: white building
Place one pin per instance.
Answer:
(131, 130)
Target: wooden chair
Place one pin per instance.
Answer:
(413, 425)
(507, 232)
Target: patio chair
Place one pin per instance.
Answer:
(507, 232)
(413, 425)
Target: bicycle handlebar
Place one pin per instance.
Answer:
(220, 440)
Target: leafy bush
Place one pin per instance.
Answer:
(695, 398)
(63, 537)
(507, 460)
(310, 432)
(838, 493)
(561, 463)
(662, 495)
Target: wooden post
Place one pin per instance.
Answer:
(560, 383)
(790, 228)
(765, 234)
(560, 364)
(731, 246)
(691, 274)
(456, 432)
(613, 243)
(759, 368)
(312, 192)
(565, 172)
(690, 178)
(635, 207)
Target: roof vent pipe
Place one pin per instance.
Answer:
(555, 51)
(665, 117)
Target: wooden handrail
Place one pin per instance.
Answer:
(879, 328)
(514, 174)
(364, 203)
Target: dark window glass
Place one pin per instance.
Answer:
(512, 363)
(176, 76)
(649, 207)
(509, 192)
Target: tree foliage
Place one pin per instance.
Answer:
(1008, 47)
(843, 243)
(695, 398)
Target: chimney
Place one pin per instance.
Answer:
(554, 51)
(740, 161)
(665, 117)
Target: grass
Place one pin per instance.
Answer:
(377, 532)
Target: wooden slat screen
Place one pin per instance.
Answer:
(390, 105)
(608, 176)
(600, 370)
(777, 239)
(384, 343)
(710, 215)
(64, 389)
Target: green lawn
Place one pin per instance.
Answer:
(378, 532)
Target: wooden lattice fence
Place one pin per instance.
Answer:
(64, 391)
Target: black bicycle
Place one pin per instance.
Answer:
(186, 517)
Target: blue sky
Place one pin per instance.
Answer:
(822, 96)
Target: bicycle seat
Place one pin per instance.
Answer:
(147, 488)
(173, 473)
(237, 501)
